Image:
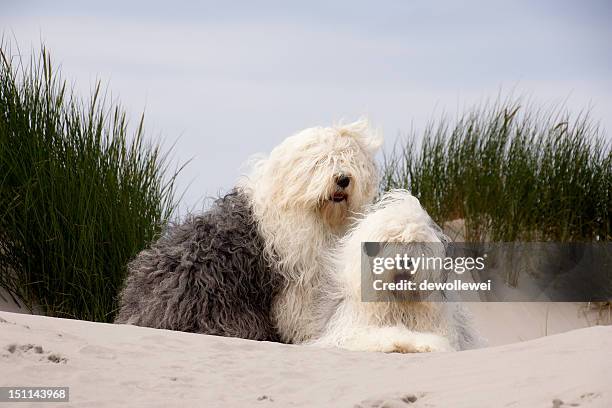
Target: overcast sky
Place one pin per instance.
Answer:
(230, 79)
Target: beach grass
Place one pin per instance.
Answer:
(513, 172)
(81, 191)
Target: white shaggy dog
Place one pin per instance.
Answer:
(251, 265)
(401, 325)
(303, 196)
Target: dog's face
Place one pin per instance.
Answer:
(327, 171)
(398, 225)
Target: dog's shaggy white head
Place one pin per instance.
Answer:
(324, 171)
(306, 190)
(397, 217)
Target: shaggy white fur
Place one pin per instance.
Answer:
(304, 195)
(402, 325)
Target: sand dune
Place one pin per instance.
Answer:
(111, 366)
(505, 323)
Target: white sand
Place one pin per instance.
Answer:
(113, 366)
(506, 323)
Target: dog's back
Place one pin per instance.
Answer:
(207, 275)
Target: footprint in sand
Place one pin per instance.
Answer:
(586, 397)
(32, 351)
(398, 401)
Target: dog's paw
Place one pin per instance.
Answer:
(396, 339)
(421, 343)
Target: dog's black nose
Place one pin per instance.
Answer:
(343, 181)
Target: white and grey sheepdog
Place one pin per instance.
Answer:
(403, 325)
(252, 265)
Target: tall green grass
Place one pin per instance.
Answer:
(80, 194)
(511, 172)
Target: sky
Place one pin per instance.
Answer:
(221, 81)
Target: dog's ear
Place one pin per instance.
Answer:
(371, 248)
(373, 142)
(370, 139)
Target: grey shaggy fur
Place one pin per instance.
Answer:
(208, 275)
